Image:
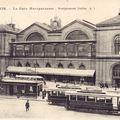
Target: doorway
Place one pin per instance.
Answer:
(11, 89)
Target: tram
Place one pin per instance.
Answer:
(56, 96)
(92, 102)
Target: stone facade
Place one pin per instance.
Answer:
(79, 43)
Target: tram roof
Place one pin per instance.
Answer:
(52, 71)
(90, 94)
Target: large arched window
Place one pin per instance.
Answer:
(116, 71)
(116, 75)
(35, 37)
(117, 44)
(77, 35)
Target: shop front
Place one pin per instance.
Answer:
(20, 88)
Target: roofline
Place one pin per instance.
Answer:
(84, 22)
(7, 31)
(108, 25)
(32, 25)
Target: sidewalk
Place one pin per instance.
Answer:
(22, 98)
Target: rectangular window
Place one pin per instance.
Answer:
(81, 98)
(91, 99)
(73, 97)
(101, 100)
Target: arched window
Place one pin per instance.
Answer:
(82, 67)
(117, 44)
(48, 65)
(36, 65)
(35, 37)
(116, 71)
(77, 35)
(60, 65)
(27, 64)
(19, 64)
(70, 65)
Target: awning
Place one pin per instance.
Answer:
(52, 71)
(10, 80)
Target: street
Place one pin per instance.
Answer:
(15, 109)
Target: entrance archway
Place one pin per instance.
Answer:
(116, 75)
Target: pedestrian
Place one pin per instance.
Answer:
(27, 105)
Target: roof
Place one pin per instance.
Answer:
(115, 21)
(52, 71)
(8, 28)
(90, 94)
(42, 25)
(21, 69)
(49, 28)
(29, 76)
(13, 80)
(84, 22)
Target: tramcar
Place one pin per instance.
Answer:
(92, 102)
(56, 96)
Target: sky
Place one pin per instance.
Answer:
(25, 12)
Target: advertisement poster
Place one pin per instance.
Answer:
(61, 43)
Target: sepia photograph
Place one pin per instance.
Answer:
(60, 60)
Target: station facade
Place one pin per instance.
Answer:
(78, 45)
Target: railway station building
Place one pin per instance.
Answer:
(90, 52)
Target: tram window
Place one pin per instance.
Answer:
(50, 93)
(81, 98)
(73, 97)
(54, 93)
(60, 93)
(92, 99)
(100, 99)
(108, 100)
